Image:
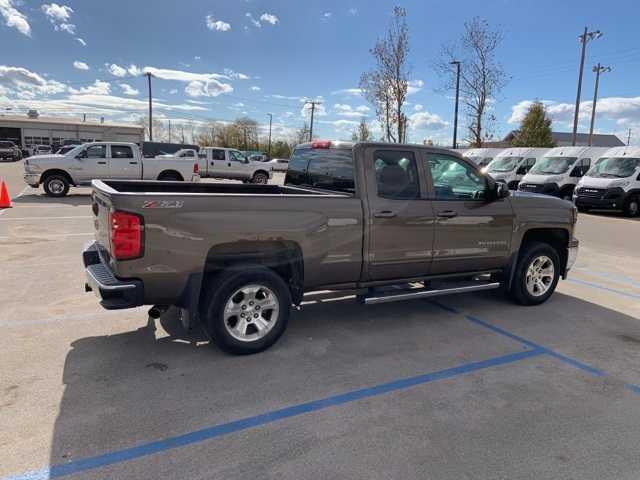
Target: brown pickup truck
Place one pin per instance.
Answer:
(361, 217)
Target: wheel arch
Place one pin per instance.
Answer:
(57, 171)
(171, 173)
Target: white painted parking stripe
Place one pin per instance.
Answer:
(5, 237)
(43, 218)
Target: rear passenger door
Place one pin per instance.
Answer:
(400, 216)
(123, 163)
(472, 231)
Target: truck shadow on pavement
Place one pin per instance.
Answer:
(73, 200)
(138, 386)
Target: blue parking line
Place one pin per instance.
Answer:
(602, 287)
(215, 431)
(571, 361)
(621, 279)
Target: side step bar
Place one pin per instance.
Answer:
(422, 293)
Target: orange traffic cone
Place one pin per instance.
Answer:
(5, 201)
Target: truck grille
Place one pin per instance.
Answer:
(591, 192)
(531, 187)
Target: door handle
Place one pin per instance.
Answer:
(385, 214)
(133, 163)
(102, 163)
(447, 214)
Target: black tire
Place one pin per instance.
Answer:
(220, 292)
(582, 209)
(56, 185)
(567, 194)
(260, 177)
(632, 206)
(528, 255)
(170, 177)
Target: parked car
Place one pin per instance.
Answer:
(612, 183)
(559, 170)
(511, 164)
(278, 164)
(41, 150)
(118, 160)
(363, 216)
(481, 156)
(9, 151)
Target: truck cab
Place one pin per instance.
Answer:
(510, 165)
(482, 156)
(612, 183)
(559, 170)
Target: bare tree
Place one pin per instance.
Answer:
(362, 132)
(385, 87)
(482, 77)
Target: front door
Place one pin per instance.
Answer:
(472, 232)
(239, 165)
(401, 220)
(122, 163)
(91, 163)
(218, 165)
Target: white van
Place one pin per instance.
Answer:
(612, 183)
(481, 156)
(511, 164)
(559, 170)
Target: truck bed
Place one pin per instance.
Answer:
(200, 188)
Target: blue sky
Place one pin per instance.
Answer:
(220, 60)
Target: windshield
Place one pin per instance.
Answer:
(75, 150)
(553, 165)
(614, 167)
(504, 164)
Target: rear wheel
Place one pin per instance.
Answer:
(56, 185)
(260, 177)
(248, 309)
(537, 274)
(170, 177)
(632, 208)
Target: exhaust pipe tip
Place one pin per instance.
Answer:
(156, 311)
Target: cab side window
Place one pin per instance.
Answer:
(526, 166)
(121, 151)
(217, 154)
(583, 166)
(454, 179)
(396, 174)
(236, 156)
(96, 151)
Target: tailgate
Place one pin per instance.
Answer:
(101, 206)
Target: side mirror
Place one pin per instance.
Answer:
(521, 170)
(501, 190)
(82, 155)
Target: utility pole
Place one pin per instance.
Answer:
(84, 117)
(584, 38)
(629, 138)
(169, 130)
(313, 104)
(455, 115)
(148, 74)
(598, 69)
(269, 147)
(182, 132)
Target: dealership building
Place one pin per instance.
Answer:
(32, 129)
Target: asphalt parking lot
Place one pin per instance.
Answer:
(471, 386)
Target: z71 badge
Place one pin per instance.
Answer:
(162, 204)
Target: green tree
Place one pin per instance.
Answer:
(361, 133)
(535, 130)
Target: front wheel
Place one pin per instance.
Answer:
(248, 309)
(260, 177)
(632, 208)
(56, 185)
(537, 274)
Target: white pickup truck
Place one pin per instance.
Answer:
(102, 160)
(228, 163)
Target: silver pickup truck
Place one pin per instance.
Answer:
(103, 160)
(360, 217)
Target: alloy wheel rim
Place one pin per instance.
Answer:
(56, 186)
(251, 312)
(633, 208)
(540, 275)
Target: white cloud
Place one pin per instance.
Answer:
(256, 23)
(182, 76)
(327, 15)
(354, 92)
(81, 41)
(129, 90)
(134, 70)
(414, 86)
(97, 88)
(197, 57)
(117, 70)
(345, 110)
(285, 97)
(255, 88)
(417, 107)
(237, 75)
(423, 120)
(210, 88)
(80, 65)
(319, 111)
(14, 18)
(218, 25)
(21, 80)
(353, 11)
(173, 91)
(269, 18)
(59, 16)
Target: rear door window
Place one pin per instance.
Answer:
(121, 151)
(326, 168)
(396, 174)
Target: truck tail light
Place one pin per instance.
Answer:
(196, 168)
(321, 144)
(126, 235)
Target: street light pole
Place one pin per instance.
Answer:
(455, 115)
(598, 69)
(148, 74)
(584, 38)
(269, 148)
